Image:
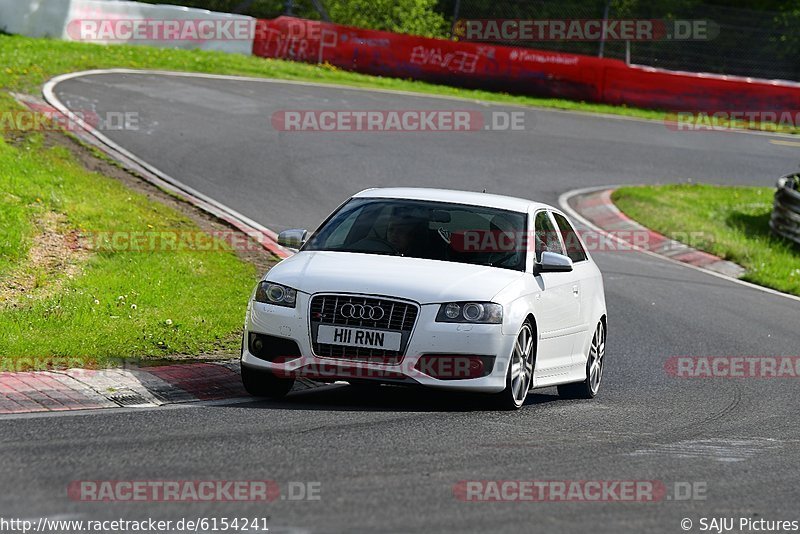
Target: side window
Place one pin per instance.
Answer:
(338, 236)
(571, 241)
(545, 235)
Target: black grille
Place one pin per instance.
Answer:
(399, 316)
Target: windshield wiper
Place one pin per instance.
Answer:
(359, 251)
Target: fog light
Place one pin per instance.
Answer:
(273, 349)
(455, 367)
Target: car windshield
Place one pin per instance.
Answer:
(423, 229)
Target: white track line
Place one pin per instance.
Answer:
(563, 202)
(232, 401)
(126, 409)
(400, 92)
(52, 99)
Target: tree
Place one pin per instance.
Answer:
(416, 17)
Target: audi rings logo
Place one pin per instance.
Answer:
(362, 311)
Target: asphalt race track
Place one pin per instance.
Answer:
(388, 460)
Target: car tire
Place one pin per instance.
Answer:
(260, 383)
(594, 369)
(519, 376)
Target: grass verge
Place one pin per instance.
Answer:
(61, 302)
(88, 307)
(26, 63)
(730, 222)
(69, 296)
(58, 301)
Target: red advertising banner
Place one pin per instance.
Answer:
(464, 64)
(514, 70)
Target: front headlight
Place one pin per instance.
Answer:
(470, 312)
(276, 294)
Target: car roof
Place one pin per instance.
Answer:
(456, 197)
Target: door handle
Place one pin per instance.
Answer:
(575, 290)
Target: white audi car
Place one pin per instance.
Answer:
(437, 288)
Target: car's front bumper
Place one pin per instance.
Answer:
(427, 338)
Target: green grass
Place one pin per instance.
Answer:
(730, 222)
(133, 304)
(26, 63)
(117, 304)
(159, 304)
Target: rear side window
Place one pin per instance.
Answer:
(571, 242)
(545, 235)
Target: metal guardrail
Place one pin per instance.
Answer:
(785, 220)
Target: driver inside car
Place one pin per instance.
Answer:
(400, 234)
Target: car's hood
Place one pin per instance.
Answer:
(424, 281)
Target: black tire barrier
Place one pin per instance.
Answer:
(785, 220)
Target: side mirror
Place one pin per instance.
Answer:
(294, 239)
(554, 263)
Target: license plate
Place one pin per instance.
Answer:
(359, 337)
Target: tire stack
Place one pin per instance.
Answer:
(785, 220)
